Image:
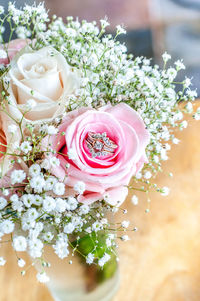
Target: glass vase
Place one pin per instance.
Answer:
(71, 279)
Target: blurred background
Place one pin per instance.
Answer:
(153, 26)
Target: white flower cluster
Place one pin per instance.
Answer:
(35, 14)
(47, 217)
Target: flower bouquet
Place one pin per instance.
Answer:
(82, 123)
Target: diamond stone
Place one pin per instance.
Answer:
(98, 145)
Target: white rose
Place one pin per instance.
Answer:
(39, 83)
(42, 76)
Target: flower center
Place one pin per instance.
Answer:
(100, 144)
(40, 69)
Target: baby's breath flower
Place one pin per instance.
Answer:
(12, 128)
(71, 203)
(183, 124)
(125, 224)
(191, 94)
(50, 183)
(171, 74)
(45, 164)
(61, 205)
(79, 187)
(3, 54)
(51, 130)
(104, 23)
(90, 258)
(21, 263)
(25, 147)
(34, 170)
(166, 57)
(35, 247)
(187, 82)
(19, 243)
(37, 200)
(134, 200)
(179, 65)
(1, 9)
(120, 29)
(147, 175)
(49, 204)
(16, 205)
(61, 246)
(96, 226)
(54, 161)
(32, 214)
(88, 101)
(189, 107)
(69, 228)
(165, 191)
(103, 260)
(6, 192)
(2, 261)
(42, 277)
(108, 242)
(37, 183)
(17, 176)
(3, 203)
(84, 209)
(59, 188)
(125, 238)
(175, 140)
(7, 227)
(70, 32)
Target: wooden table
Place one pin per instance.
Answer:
(162, 261)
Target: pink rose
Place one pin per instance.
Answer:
(14, 47)
(105, 163)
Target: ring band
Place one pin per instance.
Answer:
(100, 144)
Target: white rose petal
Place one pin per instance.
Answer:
(31, 103)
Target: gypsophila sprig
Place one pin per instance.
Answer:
(75, 127)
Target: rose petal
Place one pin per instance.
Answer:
(90, 198)
(13, 47)
(125, 113)
(117, 195)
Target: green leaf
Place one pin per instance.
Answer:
(86, 244)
